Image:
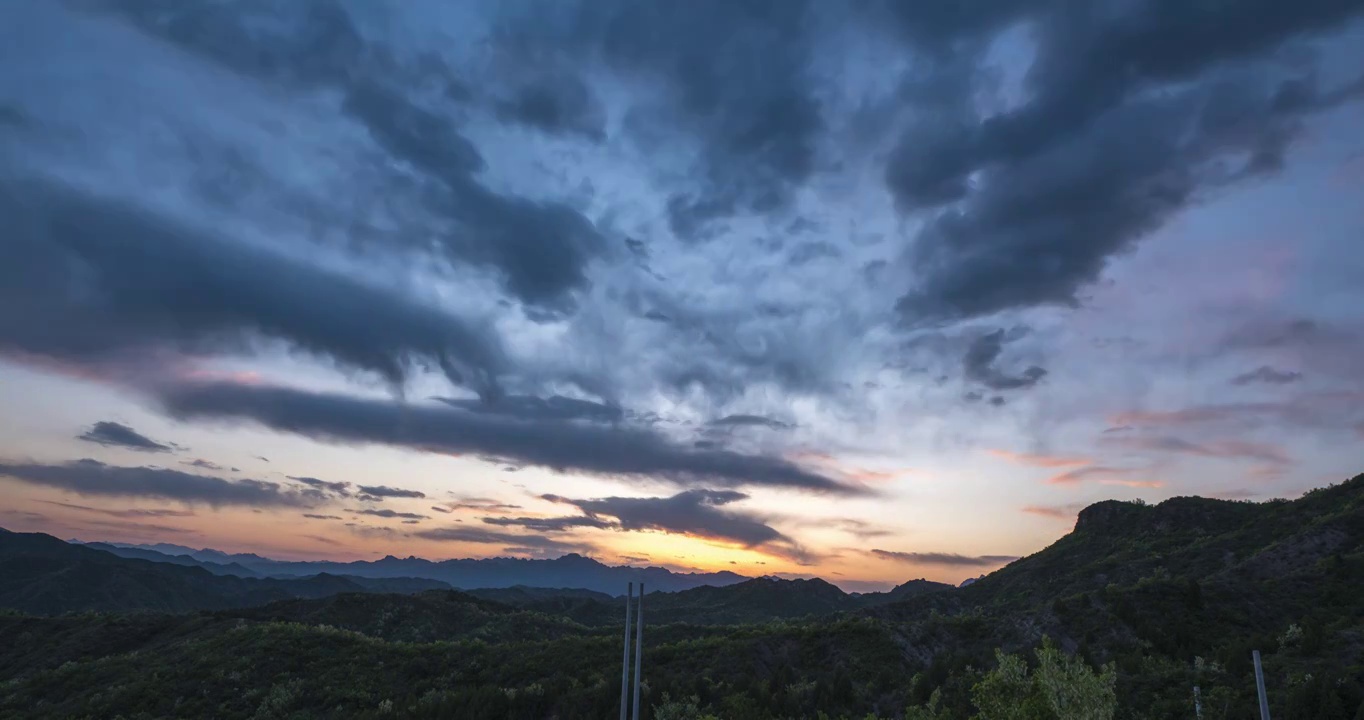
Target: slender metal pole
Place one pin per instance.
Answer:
(625, 654)
(639, 645)
(1260, 685)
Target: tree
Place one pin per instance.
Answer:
(685, 709)
(1063, 687)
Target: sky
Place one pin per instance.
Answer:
(870, 291)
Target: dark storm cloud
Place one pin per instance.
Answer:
(979, 365)
(699, 513)
(751, 421)
(296, 43)
(386, 513)
(528, 407)
(511, 542)
(540, 248)
(337, 487)
(733, 76)
(112, 434)
(85, 278)
(1267, 375)
(550, 524)
(390, 492)
(597, 449)
(557, 105)
(948, 559)
(90, 477)
(1043, 195)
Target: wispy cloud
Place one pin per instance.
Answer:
(1267, 375)
(1059, 512)
(1226, 449)
(1041, 460)
(696, 513)
(390, 492)
(339, 488)
(479, 504)
(91, 477)
(112, 434)
(126, 513)
(550, 524)
(390, 514)
(1104, 475)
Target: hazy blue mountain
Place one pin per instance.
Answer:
(43, 575)
(570, 571)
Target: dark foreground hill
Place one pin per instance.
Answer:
(752, 601)
(40, 574)
(1174, 595)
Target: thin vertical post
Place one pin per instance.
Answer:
(1197, 704)
(639, 645)
(625, 653)
(1260, 685)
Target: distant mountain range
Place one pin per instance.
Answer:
(569, 571)
(44, 575)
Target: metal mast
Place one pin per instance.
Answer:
(625, 653)
(639, 645)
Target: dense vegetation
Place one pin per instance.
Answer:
(1130, 611)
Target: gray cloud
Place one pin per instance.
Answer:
(558, 105)
(751, 421)
(550, 524)
(112, 434)
(85, 278)
(1228, 448)
(540, 248)
(1134, 114)
(561, 446)
(386, 513)
(390, 492)
(528, 407)
(733, 77)
(698, 513)
(478, 503)
(336, 487)
(90, 477)
(314, 516)
(979, 365)
(1267, 375)
(203, 464)
(949, 559)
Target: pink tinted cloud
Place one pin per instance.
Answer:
(1104, 475)
(1040, 460)
(1225, 449)
(1065, 512)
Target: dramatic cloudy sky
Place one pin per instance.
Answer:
(869, 290)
